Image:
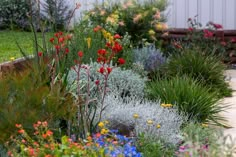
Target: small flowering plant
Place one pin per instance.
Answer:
(208, 39)
(103, 143)
(203, 140)
(42, 143)
(53, 60)
(114, 143)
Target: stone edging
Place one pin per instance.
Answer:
(16, 65)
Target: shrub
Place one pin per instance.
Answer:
(139, 19)
(150, 57)
(25, 98)
(121, 82)
(152, 148)
(189, 96)
(57, 13)
(13, 14)
(205, 37)
(137, 115)
(206, 68)
(90, 39)
(203, 140)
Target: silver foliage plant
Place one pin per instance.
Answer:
(150, 57)
(121, 82)
(121, 111)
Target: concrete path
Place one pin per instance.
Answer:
(230, 114)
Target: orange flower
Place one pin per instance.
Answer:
(45, 124)
(97, 28)
(46, 146)
(49, 133)
(21, 131)
(137, 18)
(18, 125)
(89, 138)
(44, 135)
(31, 152)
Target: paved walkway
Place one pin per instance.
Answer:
(230, 114)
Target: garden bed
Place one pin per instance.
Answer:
(111, 89)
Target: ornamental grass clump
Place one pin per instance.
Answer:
(189, 96)
(206, 68)
(135, 115)
(26, 97)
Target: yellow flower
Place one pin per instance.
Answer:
(106, 34)
(161, 26)
(111, 39)
(115, 16)
(104, 131)
(112, 19)
(149, 122)
(106, 121)
(89, 42)
(158, 26)
(151, 32)
(104, 31)
(135, 115)
(12, 58)
(101, 124)
(158, 126)
(167, 105)
(204, 125)
(163, 105)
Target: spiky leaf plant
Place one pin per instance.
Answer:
(189, 96)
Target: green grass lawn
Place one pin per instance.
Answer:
(9, 48)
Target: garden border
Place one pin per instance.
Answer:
(178, 33)
(16, 65)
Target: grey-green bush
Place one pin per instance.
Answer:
(119, 112)
(189, 95)
(121, 82)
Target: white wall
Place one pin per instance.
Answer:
(218, 11)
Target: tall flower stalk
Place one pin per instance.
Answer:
(105, 56)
